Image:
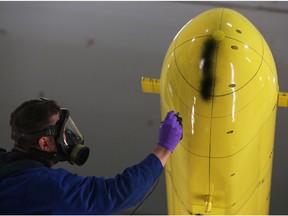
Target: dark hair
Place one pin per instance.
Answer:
(32, 116)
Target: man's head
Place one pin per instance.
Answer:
(42, 128)
(31, 116)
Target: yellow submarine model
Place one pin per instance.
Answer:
(220, 75)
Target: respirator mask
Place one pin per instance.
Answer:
(68, 139)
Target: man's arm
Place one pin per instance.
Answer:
(162, 153)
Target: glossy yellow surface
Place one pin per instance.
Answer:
(223, 164)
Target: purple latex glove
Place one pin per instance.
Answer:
(170, 131)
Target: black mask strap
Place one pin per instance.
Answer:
(49, 131)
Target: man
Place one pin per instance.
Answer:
(45, 134)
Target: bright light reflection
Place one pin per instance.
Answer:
(233, 105)
(229, 24)
(232, 73)
(201, 64)
(182, 29)
(233, 90)
(248, 59)
(193, 116)
(192, 119)
(170, 90)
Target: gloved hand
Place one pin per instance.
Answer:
(170, 132)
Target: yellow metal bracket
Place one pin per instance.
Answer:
(282, 99)
(150, 85)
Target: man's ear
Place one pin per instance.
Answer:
(43, 143)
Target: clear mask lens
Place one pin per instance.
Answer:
(73, 140)
(72, 134)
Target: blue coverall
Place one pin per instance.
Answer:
(43, 190)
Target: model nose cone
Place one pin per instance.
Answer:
(218, 35)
